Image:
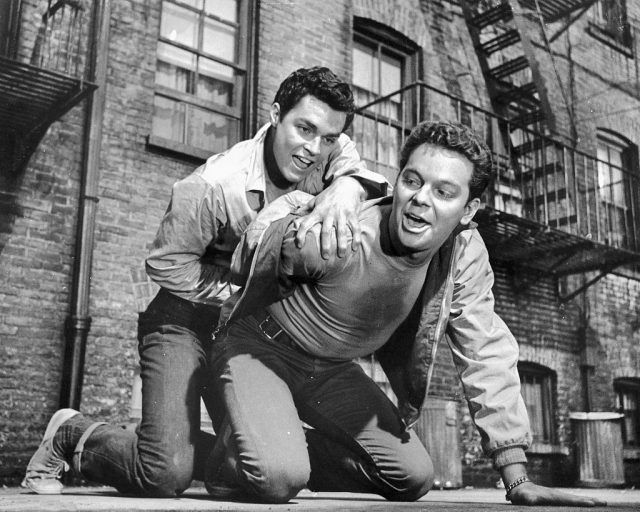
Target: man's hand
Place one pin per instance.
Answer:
(529, 493)
(336, 207)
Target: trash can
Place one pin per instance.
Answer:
(438, 429)
(599, 458)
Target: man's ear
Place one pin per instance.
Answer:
(274, 114)
(470, 210)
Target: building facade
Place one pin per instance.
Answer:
(108, 103)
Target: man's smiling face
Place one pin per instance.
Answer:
(431, 199)
(304, 136)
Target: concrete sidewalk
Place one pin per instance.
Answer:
(105, 499)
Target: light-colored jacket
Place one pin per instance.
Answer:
(457, 305)
(210, 209)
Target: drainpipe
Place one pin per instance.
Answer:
(78, 322)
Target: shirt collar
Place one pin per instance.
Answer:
(256, 177)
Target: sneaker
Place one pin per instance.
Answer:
(46, 466)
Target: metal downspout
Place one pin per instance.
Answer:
(78, 322)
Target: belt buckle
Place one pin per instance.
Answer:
(264, 331)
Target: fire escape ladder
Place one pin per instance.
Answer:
(541, 219)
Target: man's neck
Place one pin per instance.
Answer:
(276, 184)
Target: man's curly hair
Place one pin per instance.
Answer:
(321, 83)
(454, 137)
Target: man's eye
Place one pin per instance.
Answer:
(329, 141)
(410, 182)
(305, 129)
(445, 194)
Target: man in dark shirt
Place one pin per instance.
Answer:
(285, 353)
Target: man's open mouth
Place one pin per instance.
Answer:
(302, 162)
(415, 222)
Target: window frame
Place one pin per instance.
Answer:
(628, 170)
(384, 40)
(630, 385)
(547, 376)
(240, 110)
(598, 27)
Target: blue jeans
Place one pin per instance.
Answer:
(167, 450)
(357, 441)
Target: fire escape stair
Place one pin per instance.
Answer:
(544, 235)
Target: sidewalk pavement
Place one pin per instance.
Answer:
(105, 499)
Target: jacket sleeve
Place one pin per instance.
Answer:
(192, 221)
(486, 355)
(345, 160)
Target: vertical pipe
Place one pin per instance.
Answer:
(78, 322)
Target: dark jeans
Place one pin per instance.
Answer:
(168, 449)
(358, 442)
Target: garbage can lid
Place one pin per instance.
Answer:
(592, 416)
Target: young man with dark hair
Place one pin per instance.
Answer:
(303, 147)
(285, 353)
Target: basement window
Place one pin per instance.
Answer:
(628, 391)
(537, 387)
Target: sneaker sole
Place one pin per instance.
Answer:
(54, 424)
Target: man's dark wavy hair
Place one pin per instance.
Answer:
(320, 82)
(455, 137)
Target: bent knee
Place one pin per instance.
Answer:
(166, 480)
(412, 482)
(279, 483)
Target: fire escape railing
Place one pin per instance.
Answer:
(536, 177)
(42, 73)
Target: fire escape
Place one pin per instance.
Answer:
(548, 213)
(42, 74)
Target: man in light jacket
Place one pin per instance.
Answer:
(302, 147)
(285, 353)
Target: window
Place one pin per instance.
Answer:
(617, 185)
(200, 75)
(383, 62)
(537, 384)
(628, 391)
(9, 22)
(610, 17)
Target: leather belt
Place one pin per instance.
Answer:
(272, 330)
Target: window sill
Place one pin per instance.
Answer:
(597, 33)
(170, 146)
(547, 449)
(631, 454)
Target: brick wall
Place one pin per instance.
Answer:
(39, 212)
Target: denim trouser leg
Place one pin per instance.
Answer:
(358, 442)
(162, 456)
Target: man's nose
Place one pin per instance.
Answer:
(422, 196)
(313, 146)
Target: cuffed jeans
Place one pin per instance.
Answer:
(357, 443)
(167, 450)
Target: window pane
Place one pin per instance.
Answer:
(391, 73)
(168, 119)
(175, 68)
(216, 82)
(225, 9)
(219, 40)
(533, 398)
(179, 25)
(211, 131)
(363, 67)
